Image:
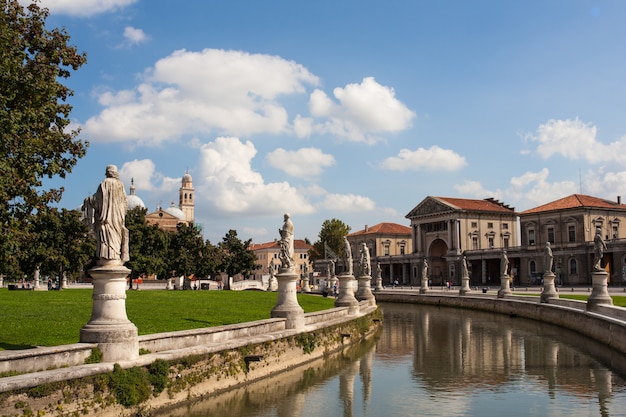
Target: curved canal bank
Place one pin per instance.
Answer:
(177, 366)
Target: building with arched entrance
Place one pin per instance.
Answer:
(443, 228)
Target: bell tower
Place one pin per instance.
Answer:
(186, 198)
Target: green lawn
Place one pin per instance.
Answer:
(49, 318)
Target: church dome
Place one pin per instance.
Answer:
(133, 200)
(176, 212)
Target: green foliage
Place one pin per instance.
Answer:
(34, 141)
(49, 318)
(237, 256)
(158, 373)
(331, 233)
(149, 248)
(130, 386)
(307, 341)
(44, 390)
(95, 356)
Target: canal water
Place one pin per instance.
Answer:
(439, 361)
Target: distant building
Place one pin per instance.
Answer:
(266, 252)
(167, 219)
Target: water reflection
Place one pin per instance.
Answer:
(435, 361)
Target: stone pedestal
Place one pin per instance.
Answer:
(64, 285)
(1, 281)
(600, 291)
(549, 290)
(364, 291)
(273, 284)
(424, 286)
(378, 284)
(505, 286)
(36, 279)
(287, 306)
(305, 285)
(346, 294)
(109, 326)
(465, 287)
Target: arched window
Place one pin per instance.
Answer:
(532, 266)
(573, 267)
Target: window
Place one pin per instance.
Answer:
(402, 249)
(571, 233)
(490, 225)
(551, 234)
(573, 267)
(475, 242)
(505, 225)
(615, 231)
(506, 242)
(491, 241)
(386, 249)
(531, 236)
(533, 267)
(474, 225)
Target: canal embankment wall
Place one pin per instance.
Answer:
(57, 381)
(602, 323)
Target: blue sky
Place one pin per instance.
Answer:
(355, 110)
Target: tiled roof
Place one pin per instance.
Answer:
(488, 204)
(297, 244)
(384, 229)
(576, 201)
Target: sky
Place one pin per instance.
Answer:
(341, 109)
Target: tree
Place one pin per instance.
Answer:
(237, 258)
(148, 246)
(34, 115)
(331, 234)
(186, 250)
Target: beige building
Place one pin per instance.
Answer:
(167, 219)
(443, 228)
(570, 225)
(267, 257)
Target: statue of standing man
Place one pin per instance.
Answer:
(504, 264)
(549, 258)
(347, 257)
(105, 214)
(598, 250)
(286, 242)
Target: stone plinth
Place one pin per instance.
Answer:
(505, 286)
(287, 306)
(346, 294)
(549, 290)
(364, 291)
(600, 291)
(305, 285)
(273, 286)
(378, 284)
(465, 287)
(109, 326)
(424, 286)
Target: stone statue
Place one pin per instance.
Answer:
(286, 243)
(347, 257)
(504, 264)
(379, 271)
(464, 268)
(272, 268)
(598, 250)
(364, 261)
(549, 259)
(425, 269)
(331, 267)
(105, 213)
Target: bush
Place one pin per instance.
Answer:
(159, 371)
(130, 386)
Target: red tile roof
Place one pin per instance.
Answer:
(297, 244)
(576, 201)
(384, 229)
(488, 204)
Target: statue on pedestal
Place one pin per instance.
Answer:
(364, 260)
(347, 257)
(105, 213)
(504, 264)
(286, 243)
(598, 250)
(548, 258)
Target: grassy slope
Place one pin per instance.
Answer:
(49, 318)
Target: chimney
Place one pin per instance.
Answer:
(366, 228)
(619, 199)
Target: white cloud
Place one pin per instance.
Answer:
(304, 163)
(347, 203)
(575, 140)
(134, 36)
(195, 93)
(361, 113)
(83, 8)
(434, 158)
(145, 177)
(231, 186)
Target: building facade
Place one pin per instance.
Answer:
(443, 229)
(168, 219)
(570, 225)
(267, 257)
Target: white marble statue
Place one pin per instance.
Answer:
(504, 264)
(286, 243)
(105, 213)
(548, 258)
(347, 257)
(365, 268)
(598, 250)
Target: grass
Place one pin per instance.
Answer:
(50, 318)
